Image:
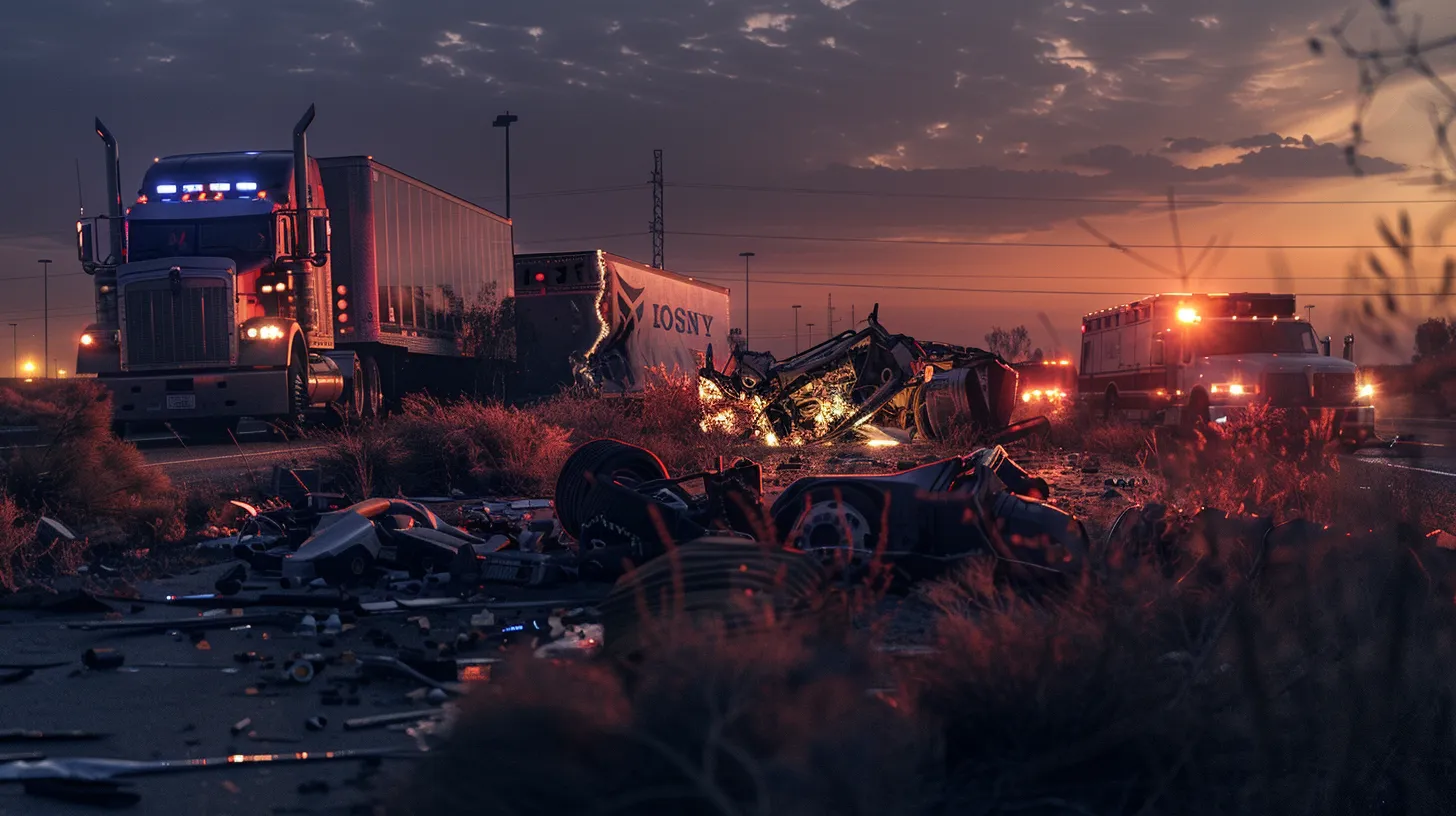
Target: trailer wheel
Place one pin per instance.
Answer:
(606, 459)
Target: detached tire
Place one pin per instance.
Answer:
(297, 389)
(608, 460)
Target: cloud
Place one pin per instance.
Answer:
(1187, 144)
(1264, 140)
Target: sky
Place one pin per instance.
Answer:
(865, 150)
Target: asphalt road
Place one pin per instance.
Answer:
(190, 712)
(1419, 445)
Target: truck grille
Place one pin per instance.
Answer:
(1286, 389)
(188, 326)
(1335, 389)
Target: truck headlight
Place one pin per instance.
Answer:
(1232, 389)
(87, 339)
(1366, 391)
(266, 331)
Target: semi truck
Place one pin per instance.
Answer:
(275, 286)
(1191, 359)
(603, 321)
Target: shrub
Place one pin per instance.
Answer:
(82, 473)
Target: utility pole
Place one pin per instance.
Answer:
(505, 120)
(46, 283)
(796, 307)
(853, 322)
(829, 332)
(657, 229)
(14, 350)
(810, 327)
(746, 308)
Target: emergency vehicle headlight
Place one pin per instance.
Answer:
(264, 331)
(1366, 391)
(1186, 315)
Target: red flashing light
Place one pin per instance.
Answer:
(540, 277)
(141, 199)
(217, 196)
(186, 196)
(262, 194)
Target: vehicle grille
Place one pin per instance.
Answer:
(1286, 389)
(188, 327)
(1335, 389)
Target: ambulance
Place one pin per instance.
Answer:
(1190, 359)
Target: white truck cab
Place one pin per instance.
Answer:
(1185, 359)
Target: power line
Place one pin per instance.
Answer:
(977, 290)
(750, 188)
(900, 273)
(1029, 244)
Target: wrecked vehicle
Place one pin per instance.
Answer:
(857, 377)
(376, 533)
(620, 504)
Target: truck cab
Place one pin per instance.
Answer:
(211, 304)
(1192, 359)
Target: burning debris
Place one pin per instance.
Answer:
(858, 379)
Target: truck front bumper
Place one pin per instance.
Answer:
(1354, 422)
(160, 396)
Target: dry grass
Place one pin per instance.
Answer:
(82, 474)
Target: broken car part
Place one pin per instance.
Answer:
(103, 769)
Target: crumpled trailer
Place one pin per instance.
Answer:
(604, 321)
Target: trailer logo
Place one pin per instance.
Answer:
(682, 321)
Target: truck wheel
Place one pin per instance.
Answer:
(605, 459)
(1196, 416)
(371, 396)
(297, 390)
(1109, 405)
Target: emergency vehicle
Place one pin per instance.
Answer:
(1187, 359)
(1046, 382)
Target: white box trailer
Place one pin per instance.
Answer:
(1186, 359)
(598, 319)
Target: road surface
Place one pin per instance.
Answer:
(1419, 445)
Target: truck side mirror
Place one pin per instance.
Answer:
(1350, 347)
(320, 235)
(85, 243)
(1326, 343)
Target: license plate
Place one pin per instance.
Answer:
(181, 402)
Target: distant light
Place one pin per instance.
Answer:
(156, 159)
(1187, 315)
(267, 288)
(247, 186)
(192, 188)
(1236, 390)
(1367, 390)
(166, 189)
(29, 367)
(219, 186)
(251, 153)
(87, 339)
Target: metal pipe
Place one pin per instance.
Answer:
(106, 309)
(303, 228)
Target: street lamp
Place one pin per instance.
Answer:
(505, 120)
(745, 256)
(46, 273)
(796, 307)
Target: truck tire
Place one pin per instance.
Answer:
(371, 401)
(1109, 405)
(606, 459)
(1195, 418)
(297, 388)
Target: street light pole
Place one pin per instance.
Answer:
(1309, 315)
(796, 307)
(505, 120)
(14, 351)
(746, 309)
(46, 283)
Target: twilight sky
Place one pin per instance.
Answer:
(955, 122)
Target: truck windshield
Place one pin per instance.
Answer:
(242, 239)
(1256, 337)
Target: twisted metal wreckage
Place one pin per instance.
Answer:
(864, 381)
